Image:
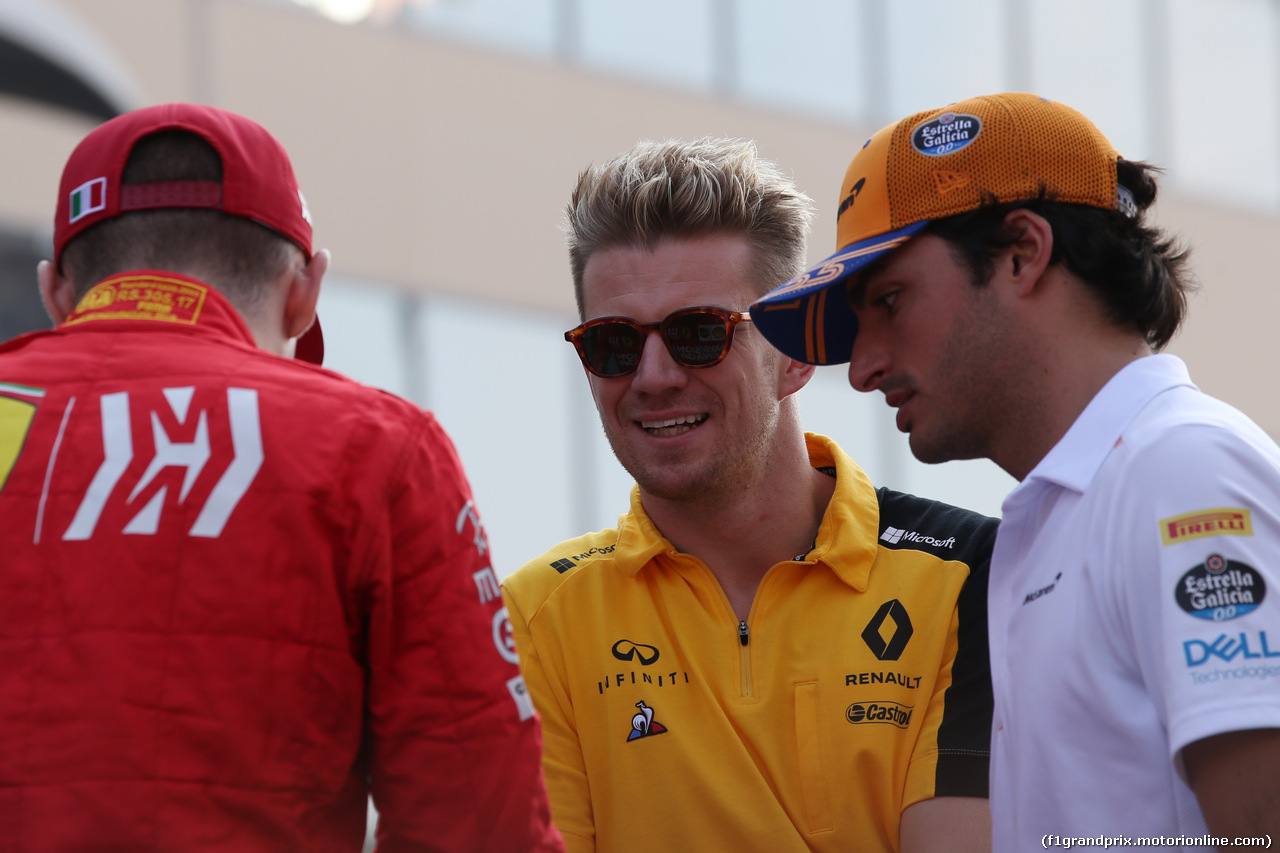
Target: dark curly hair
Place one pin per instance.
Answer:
(1139, 274)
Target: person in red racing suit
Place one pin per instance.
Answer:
(238, 592)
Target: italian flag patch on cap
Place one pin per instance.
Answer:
(89, 197)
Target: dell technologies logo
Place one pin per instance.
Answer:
(1227, 648)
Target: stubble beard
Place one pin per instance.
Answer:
(948, 446)
(971, 393)
(709, 482)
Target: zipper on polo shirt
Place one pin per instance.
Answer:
(744, 632)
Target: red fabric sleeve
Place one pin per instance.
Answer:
(454, 744)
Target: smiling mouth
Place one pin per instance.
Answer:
(672, 426)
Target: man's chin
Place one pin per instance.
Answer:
(925, 450)
(932, 451)
(669, 489)
(687, 487)
(683, 476)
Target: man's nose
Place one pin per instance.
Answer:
(868, 363)
(657, 370)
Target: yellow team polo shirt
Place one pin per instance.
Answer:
(857, 686)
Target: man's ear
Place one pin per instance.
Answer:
(56, 292)
(303, 294)
(1027, 258)
(795, 375)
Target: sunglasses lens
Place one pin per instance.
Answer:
(698, 338)
(613, 349)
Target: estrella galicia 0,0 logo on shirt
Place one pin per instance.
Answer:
(1220, 589)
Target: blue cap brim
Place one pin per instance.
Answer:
(809, 318)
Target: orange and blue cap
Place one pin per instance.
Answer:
(991, 149)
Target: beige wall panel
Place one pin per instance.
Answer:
(153, 38)
(445, 168)
(1231, 339)
(34, 144)
(437, 167)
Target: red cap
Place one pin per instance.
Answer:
(257, 179)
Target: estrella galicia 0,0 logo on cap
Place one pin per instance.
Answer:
(946, 134)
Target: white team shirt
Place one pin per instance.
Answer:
(1134, 608)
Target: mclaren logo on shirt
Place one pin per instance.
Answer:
(644, 725)
(1040, 593)
(888, 631)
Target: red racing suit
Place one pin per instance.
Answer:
(238, 594)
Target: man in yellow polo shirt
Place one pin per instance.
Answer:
(767, 653)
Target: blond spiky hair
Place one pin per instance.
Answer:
(679, 188)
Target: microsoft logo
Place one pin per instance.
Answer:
(562, 566)
(893, 536)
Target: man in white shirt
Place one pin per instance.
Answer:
(998, 281)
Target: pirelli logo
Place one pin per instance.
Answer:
(1230, 521)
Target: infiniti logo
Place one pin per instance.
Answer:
(627, 650)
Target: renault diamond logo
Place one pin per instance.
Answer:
(874, 638)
